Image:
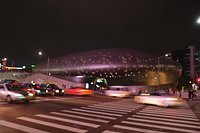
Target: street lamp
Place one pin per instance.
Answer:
(198, 20)
(48, 60)
(158, 77)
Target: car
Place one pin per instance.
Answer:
(159, 99)
(118, 92)
(78, 91)
(39, 90)
(52, 89)
(13, 92)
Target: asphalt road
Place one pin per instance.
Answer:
(96, 114)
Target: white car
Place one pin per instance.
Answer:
(159, 99)
(118, 92)
(12, 93)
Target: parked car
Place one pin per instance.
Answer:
(118, 92)
(159, 99)
(52, 89)
(78, 91)
(13, 92)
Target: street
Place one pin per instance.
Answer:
(96, 114)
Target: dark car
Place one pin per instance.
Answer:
(39, 90)
(53, 89)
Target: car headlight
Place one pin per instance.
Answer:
(62, 90)
(17, 95)
(30, 94)
(38, 91)
(175, 99)
(57, 91)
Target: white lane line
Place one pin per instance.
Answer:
(165, 119)
(50, 99)
(96, 112)
(137, 129)
(164, 110)
(164, 123)
(103, 110)
(2, 103)
(130, 107)
(162, 127)
(167, 116)
(93, 115)
(110, 108)
(21, 127)
(80, 117)
(68, 120)
(170, 114)
(107, 131)
(68, 128)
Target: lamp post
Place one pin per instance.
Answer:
(198, 20)
(48, 60)
(158, 77)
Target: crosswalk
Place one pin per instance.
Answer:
(160, 120)
(122, 116)
(78, 120)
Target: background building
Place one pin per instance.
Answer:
(112, 67)
(189, 59)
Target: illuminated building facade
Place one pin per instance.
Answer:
(115, 66)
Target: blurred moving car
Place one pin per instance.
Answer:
(78, 91)
(118, 92)
(12, 92)
(159, 99)
(39, 90)
(52, 89)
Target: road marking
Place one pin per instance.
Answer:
(169, 112)
(157, 126)
(168, 116)
(96, 112)
(68, 120)
(21, 127)
(165, 119)
(109, 111)
(2, 103)
(110, 108)
(164, 123)
(107, 131)
(81, 113)
(80, 117)
(54, 99)
(127, 107)
(137, 129)
(68, 128)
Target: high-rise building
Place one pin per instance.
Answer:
(189, 58)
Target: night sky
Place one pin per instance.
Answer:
(61, 27)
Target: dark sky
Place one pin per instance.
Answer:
(61, 27)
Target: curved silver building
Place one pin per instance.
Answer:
(114, 66)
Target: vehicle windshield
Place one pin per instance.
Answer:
(14, 87)
(54, 86)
